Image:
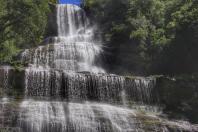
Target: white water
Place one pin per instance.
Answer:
(70, 20)
(54, 72)
(45, 116)
(74, 49)
(88, 117)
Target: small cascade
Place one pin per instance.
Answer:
(42, 82)
(141, 89)
(3, 103)
(4, 78)
(8, 115)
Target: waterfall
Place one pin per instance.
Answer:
(65, 67)
(67, 90)
(74, 49)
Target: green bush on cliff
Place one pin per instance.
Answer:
(22, 25)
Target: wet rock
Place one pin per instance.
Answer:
(179, 96)
(11, 81)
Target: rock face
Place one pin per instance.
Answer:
(51, 25)
(179, 96)
(64, 88)
(11, 82)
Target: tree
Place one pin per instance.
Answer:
(22, 25)
(140, 33)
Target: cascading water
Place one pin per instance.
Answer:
(56, 116)
(67, 91)
(74, 49)
(5, 70)
(66, 66)
(72, 116)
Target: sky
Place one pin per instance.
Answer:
(77, 2)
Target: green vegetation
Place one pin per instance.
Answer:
(22, 25)
(149, 36)
(141, 36)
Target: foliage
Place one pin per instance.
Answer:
(141, 33)
(53, 1)
(22, 25)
